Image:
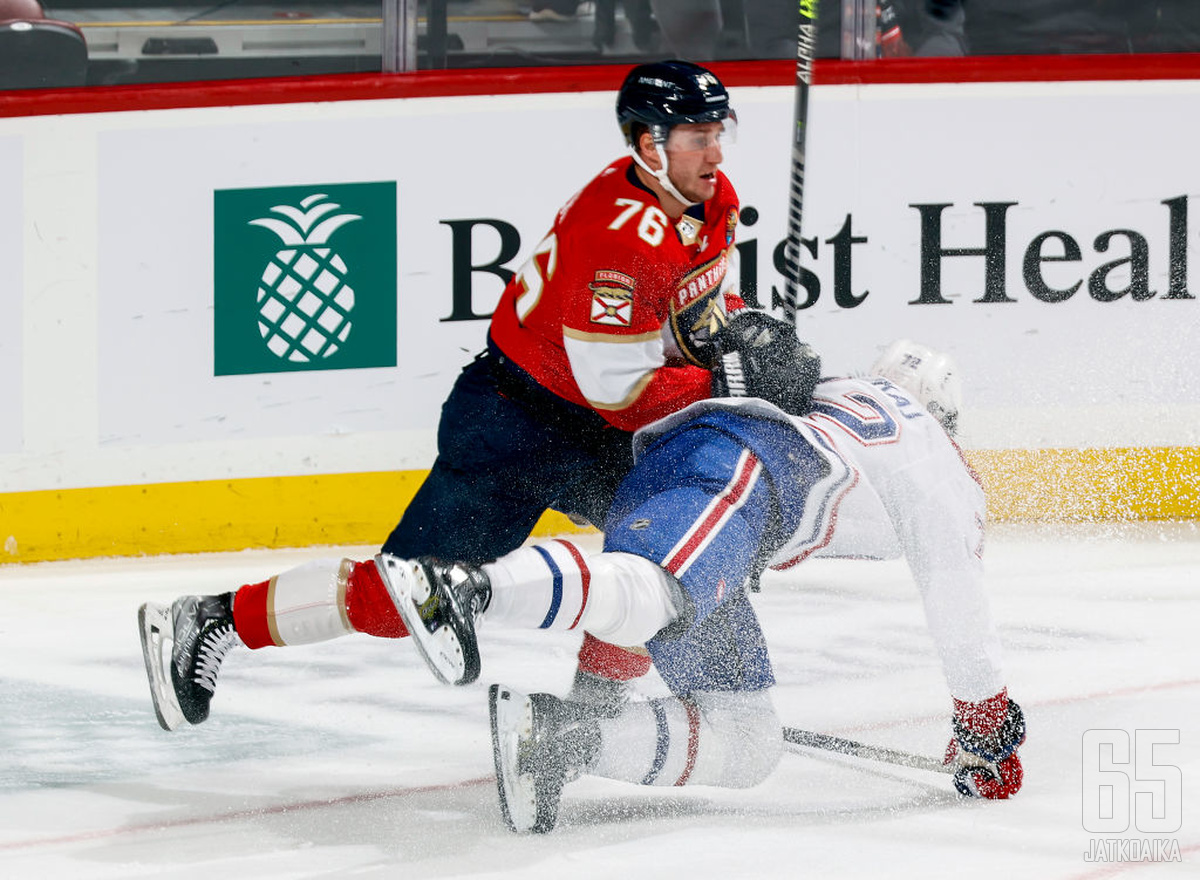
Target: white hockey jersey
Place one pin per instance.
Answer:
(896, 485)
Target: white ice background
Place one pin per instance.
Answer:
(346, 759)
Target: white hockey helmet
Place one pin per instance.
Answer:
(931, 376)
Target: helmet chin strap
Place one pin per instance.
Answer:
(661, 174)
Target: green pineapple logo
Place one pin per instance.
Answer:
(304, 302)
(305, 278)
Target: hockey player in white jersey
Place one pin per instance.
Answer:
(721, 490)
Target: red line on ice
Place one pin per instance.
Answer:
(1054, 701)
(1112, 869)
(235, 815)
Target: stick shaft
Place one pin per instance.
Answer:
(849, 747)
(806, 44)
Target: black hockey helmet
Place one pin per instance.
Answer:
(666, 93)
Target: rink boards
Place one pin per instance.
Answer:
(1038, 231)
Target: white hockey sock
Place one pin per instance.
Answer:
(729, 739)
(545, 586)
(308, 603)
(617, 597)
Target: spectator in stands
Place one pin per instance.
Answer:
(39, 52)
(924, 28)
(638, 14)
(690, 28)
(1165, 26)
(558, 10)
(767, 28)
(1051, 27)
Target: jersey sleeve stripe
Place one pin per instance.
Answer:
(628, 400)
(612, 371)
(611, 338)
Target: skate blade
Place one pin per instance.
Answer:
(511, 716)
(442, 649)
(155, 626)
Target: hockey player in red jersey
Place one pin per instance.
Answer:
(721, 490)
(604, 329)
(607, 327)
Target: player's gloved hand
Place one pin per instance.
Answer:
(984, 748)
(761, 357)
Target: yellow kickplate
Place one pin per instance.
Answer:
(1051, 485)
(212, 516)
(1084, 485)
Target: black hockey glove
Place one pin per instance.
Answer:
(761, 357)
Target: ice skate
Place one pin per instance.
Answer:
(605, 696)
(438, 602)
(539, 744)
(198, 632)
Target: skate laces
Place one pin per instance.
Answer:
(214, 645)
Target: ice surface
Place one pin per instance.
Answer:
(347, 759)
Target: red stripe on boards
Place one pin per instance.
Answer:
(539, 80)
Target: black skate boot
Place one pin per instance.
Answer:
(438, 602)
(200, 630)
(539, 744)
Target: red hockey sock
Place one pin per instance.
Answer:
(250, 615)
(369, 606)
(612, 661)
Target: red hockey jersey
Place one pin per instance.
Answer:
(591, 314)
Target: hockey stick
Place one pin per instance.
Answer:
(853, 749)
(806, 46)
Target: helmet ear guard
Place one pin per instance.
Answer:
(930, 376)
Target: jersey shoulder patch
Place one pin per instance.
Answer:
(612, 298)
